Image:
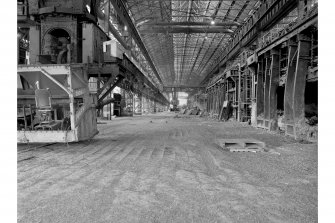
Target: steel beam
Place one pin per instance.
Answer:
(300, 27)
(105, 102)
(174, 29)
(266, 16)
(181, 88)
(190, 24)
(107, 84)
(110, 89)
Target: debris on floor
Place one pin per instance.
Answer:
(242, 145)
(176, 172)
(307, 129)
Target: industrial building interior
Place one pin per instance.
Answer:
(167, 111)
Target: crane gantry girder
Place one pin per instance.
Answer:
(180, 88)
(189, 25)
(264, 18)
(123, 13)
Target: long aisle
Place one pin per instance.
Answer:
(163, 168)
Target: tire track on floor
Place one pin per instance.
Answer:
(107, 163)
(64, 168)
(60, 177)
(128, 161)
(42, 158)
(168, 164)
(41, 169)
(100, 165)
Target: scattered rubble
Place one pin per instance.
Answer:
(306, 131)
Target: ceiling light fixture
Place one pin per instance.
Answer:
(88, 8)
(212, 22)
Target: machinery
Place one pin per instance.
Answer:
(61, 48)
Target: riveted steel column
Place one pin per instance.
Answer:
(266, 91)
(274, 82)
(289, 87)
(304, 45)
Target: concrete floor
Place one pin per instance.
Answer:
(163, 169)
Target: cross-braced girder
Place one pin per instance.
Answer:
(181, 37)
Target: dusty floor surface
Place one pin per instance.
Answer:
(163, 169)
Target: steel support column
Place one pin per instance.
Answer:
(274, 82)
(289, 87)
(304, 45)
(253, 72)
(239, 90)
(266, 91)
(137, 104)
